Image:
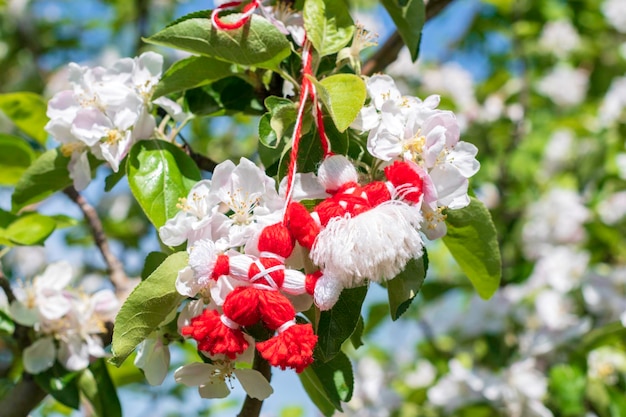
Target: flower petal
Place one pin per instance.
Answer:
(254, 383)
(39, 356)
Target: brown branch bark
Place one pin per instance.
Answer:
(116, 270)
(252, 407)
(22, 398)
(388, 53)
(6, 287)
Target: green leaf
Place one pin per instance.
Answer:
(47, 175)
(153, 260)
(409, 20)
(331, 383)
(96, 384)
(403, 288)
(317, 394)
(7, 326)
(337, 324)
(15, 157)
(191, 72)
(159, 173)
(473, 242)
(28, 112)
(29, 229)
(258, 43)
(61, 384)
(344, 96)
(567, 385)
(356, 338)
(146, 307)
(328, 25)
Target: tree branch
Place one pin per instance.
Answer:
(6, 287)
(116, 270)
(22, 398)
(390, 50)
(252, 407)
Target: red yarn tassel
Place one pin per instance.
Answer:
(275, 309)
(214, 336)
(242, 306)
(302, 225)
(292, 348)
(408, 183)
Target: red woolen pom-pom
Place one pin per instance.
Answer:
(261, 276)
(242, 306)
(406, 180)
(302, 225)
(275, 309)
(293, 348)
(222, 266)
(214, 336)
(276, 239)
(377, 193)
(329, 209)
(311, 281)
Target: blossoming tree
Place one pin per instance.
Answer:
(353, 184)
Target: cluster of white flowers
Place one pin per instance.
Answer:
(564, 85)
(614, 102)
(560, 38)
(67, 322)
(518, 389)
(407, 128)
(615, 13)
(105, 112)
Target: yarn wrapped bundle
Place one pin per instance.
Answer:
(360, 233)
(259, 301)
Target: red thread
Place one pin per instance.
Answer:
(246, 13)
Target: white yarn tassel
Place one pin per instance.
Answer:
(327, 290)
(294, 283)
(336, 171)
(375, 245)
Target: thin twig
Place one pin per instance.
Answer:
(116, 270)
(6, 287)
(388, 53)
(252, 407)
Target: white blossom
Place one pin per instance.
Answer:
(614, 12)
(564, 85)
(559, 37)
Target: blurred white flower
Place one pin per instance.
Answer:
(614, 102)
(614, 12)
(613, 208)
(461, 386)
(452, 80)
(66, 322)
(561, 267)
(555, 219)
(564, 85)
(422, 376)
(559, 37)
(605, 364)
(558, 151)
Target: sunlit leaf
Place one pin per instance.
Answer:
(473, 242)
(146, 307)
(191, 72)
(15, 157)
(28, 112)
(159, 173)
(344, 96)
(328, 25)
(258, 43)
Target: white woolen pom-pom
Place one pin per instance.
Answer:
(336, 171)
(294, 283)
(327, 290)
(202, 257)
(375, 245)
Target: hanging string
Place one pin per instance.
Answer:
(247, 11)
(297, 132)
(319, 123)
